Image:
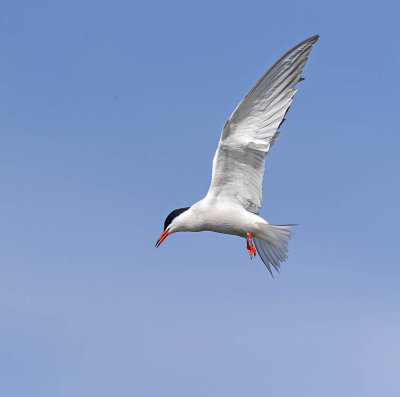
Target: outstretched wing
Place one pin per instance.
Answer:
(250, 132)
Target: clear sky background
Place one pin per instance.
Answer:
(111, 112)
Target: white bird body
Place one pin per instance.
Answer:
(218, 215)
(232, 203)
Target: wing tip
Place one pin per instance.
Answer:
(314, 38)
(310, 40)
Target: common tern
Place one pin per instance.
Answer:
(233, 200)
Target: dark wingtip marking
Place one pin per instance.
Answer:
(279, 126)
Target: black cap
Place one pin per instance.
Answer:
(173, 215)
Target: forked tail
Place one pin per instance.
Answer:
(273, 246)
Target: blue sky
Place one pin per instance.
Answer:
(111, 114)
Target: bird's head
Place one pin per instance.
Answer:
(173, 223)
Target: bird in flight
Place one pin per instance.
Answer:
(233, 200)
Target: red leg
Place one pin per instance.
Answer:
(250, 247)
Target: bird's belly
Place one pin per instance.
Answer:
(226, 228)
(229, 221)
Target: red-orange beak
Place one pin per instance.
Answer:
(164, 234)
